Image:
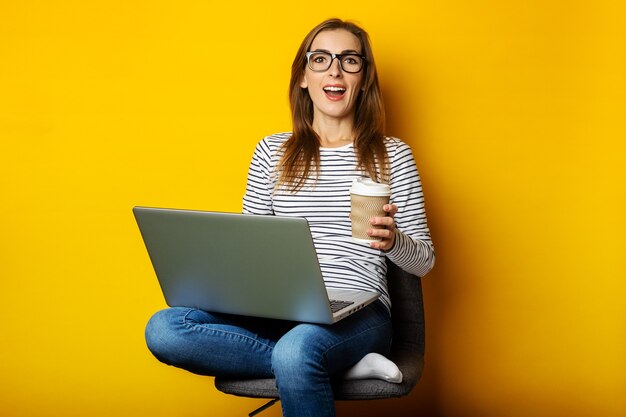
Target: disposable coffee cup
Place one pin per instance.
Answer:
(367, 199)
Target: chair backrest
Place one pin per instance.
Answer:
(407, 315)
(407, 310)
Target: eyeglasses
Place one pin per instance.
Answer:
(320, 61)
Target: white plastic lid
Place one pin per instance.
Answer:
(365, 186)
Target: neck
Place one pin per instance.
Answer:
(334, 133)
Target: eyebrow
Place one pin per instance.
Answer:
(345, 51)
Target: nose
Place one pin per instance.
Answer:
(335, 68)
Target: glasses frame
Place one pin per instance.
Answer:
(332, 58)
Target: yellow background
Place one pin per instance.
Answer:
(515, 112)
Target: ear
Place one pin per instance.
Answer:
(303, 82)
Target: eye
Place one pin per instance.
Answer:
(351, 60)
(319, 59)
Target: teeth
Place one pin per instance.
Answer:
(334, 89)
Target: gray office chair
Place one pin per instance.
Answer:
(407, 351)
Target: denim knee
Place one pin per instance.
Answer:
(161, 333)
(292, 358)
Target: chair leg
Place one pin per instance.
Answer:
(263, 407)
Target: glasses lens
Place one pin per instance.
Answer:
(319, 61)
(351, 63)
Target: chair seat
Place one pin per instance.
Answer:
(410, 365)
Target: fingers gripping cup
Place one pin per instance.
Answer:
(367, 199)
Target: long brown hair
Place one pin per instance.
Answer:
(301, 152)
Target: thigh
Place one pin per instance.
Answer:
(268, 330)
(214, 344)
(339, 346)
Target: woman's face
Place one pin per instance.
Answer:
(334, 92)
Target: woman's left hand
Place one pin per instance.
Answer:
(388, 233)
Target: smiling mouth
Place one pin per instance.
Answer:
(335, 92)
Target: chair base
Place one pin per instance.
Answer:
(263, 407)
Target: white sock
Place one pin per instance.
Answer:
(376, 366)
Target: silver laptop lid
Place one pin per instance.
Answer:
(263, 266)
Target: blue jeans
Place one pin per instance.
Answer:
(302, 357)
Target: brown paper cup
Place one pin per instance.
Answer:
(362, 209)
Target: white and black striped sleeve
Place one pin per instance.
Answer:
(413, 250)
(258, 198)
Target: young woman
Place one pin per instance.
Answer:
(338, 122)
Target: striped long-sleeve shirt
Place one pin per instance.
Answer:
(325, 202)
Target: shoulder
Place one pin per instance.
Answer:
(397, 149)
(270, 145)
(275, 140)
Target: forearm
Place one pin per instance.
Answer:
(414, 255)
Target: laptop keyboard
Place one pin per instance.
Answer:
(336, 305)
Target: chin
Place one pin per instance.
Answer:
(338, 113)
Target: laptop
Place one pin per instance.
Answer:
(252, 265)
